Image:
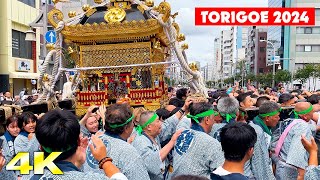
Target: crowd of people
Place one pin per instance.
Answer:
(24, 98)
(191, 137)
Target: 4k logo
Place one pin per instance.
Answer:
(39, 163)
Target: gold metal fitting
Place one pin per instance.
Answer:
(181, 37)
(70, 50)
(157, 45)
(85, 7)
(45, 78)
(98, 1)
(184, 46)
(72, 14)
(193, 66)
(155, 8)
(55, 1)
(149, 3)
(114, 15)
(50, 46)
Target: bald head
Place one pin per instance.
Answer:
(145, 116)
(301, 106)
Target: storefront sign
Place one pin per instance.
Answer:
(23, 65)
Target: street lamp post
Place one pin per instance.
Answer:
(273, 62)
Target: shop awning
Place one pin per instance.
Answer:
(23, 75)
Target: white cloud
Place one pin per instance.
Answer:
(200, 38)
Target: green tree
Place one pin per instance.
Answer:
(169, 82)
(240, 69)
(251, 76)
(317, 71)
(228, 80)
(209, 84)
(282, 76)
(304, 74)
(238, 77)
(301, 76)
(264, 79)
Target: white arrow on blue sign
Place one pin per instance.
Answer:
(276, 58)
(51, 36)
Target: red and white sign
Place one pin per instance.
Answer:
(255, 16)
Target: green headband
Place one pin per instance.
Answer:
(203, 114)
(49, 150)
(270, 113)
(113, 126)
(228, 116)
(140, 128)
(296, 114)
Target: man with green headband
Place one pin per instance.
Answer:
(59, 131)
(291, 157)
(195, 152)
(228, 108)
(151, 133)
(118, 128)
(260, 164)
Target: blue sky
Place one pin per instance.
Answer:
(199, 38)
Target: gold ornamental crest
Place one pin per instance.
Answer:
(114, 15)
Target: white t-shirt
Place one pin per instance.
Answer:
(221, 172)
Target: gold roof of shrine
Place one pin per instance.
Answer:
(119, 21)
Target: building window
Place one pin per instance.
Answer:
(316, 30)
(307, 49)
(20, 47)
(31, 3)
(308, 30)
(316, 48)
(262, 49)
(317, 11)
(300, 30)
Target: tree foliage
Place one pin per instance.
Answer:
(282, 76)
(228, 80)
(209, 84)
(251, 76)
(303, 74)
(264, 79)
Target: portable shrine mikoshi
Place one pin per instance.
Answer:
(121, 49)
